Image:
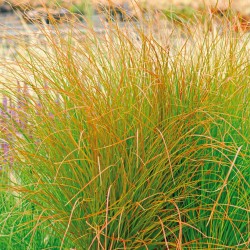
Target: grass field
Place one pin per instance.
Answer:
(133, 139)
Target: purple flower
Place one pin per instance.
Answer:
(25, 90)
(19, 102)
(57, 101)
(6, 149)
(46, 86)
(5, 103)
(4, 110)
(51, 115)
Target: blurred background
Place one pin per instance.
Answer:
(14, 13)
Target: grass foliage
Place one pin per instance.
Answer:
(127, 140)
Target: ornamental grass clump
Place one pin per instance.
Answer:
(128, 139)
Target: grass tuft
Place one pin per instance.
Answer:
(136, 138)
